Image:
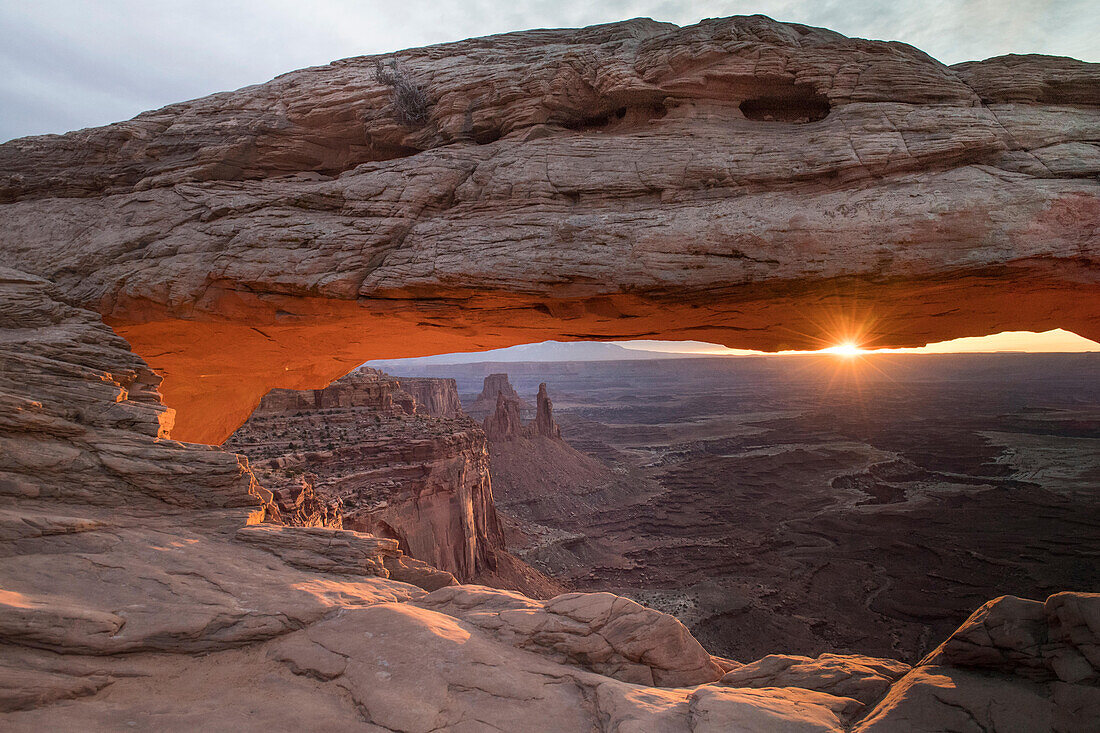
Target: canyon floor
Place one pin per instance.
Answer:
(815, 504)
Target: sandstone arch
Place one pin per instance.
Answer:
(280, 235)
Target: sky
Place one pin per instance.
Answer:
(1054, 341)
(69, 64)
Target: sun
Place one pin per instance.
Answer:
(847, 349)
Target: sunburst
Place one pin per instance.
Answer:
(846, 349)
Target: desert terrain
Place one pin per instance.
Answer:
(176, 559)
(810, 504)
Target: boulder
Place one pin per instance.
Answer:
(1055, 639)
(598, 631)
(865, 679)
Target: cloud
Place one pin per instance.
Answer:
(67, 64)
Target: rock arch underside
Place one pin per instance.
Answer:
(757, 184)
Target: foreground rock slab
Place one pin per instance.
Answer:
(599, 631)
(862, 678)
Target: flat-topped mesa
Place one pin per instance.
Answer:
(370, 388)
(366, 388)
(743, 181)
(435, 396)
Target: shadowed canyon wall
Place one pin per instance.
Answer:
(740, 181)
(402, 471)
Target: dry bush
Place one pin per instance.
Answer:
(410, 103)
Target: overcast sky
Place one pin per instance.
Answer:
(68, 64)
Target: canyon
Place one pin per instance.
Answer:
(810, 504)
(372, 458)
(742, 181)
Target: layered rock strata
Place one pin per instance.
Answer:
(434, 396)
(81, 420)
(742, 181)
(392, 471)
(364, 388)
(121, 603)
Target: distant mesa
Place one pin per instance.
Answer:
(373, 389)
(495, 386)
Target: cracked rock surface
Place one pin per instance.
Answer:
(759, 184)
(627, 180)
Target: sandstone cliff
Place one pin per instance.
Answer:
(434, 396)
(743, 181)
(81, 420)
(395, 472)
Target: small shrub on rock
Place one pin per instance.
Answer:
(410, 103)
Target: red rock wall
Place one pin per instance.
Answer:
(434, 396)
(377, 466)
(743, 181)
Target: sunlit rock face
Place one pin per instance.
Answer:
(740, 181)
(81, 421)
(393, 469)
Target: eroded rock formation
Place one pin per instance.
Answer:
(506, 423)
(434, 396)
(1016, 664)
(742, 181)
(494, 387)
(393, 470)
(82, 421)
(544, 424)
(295, 503)
(604, 633)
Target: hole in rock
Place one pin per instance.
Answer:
(624, 117)
(688, 475)
(484, 137)
(795, 104)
